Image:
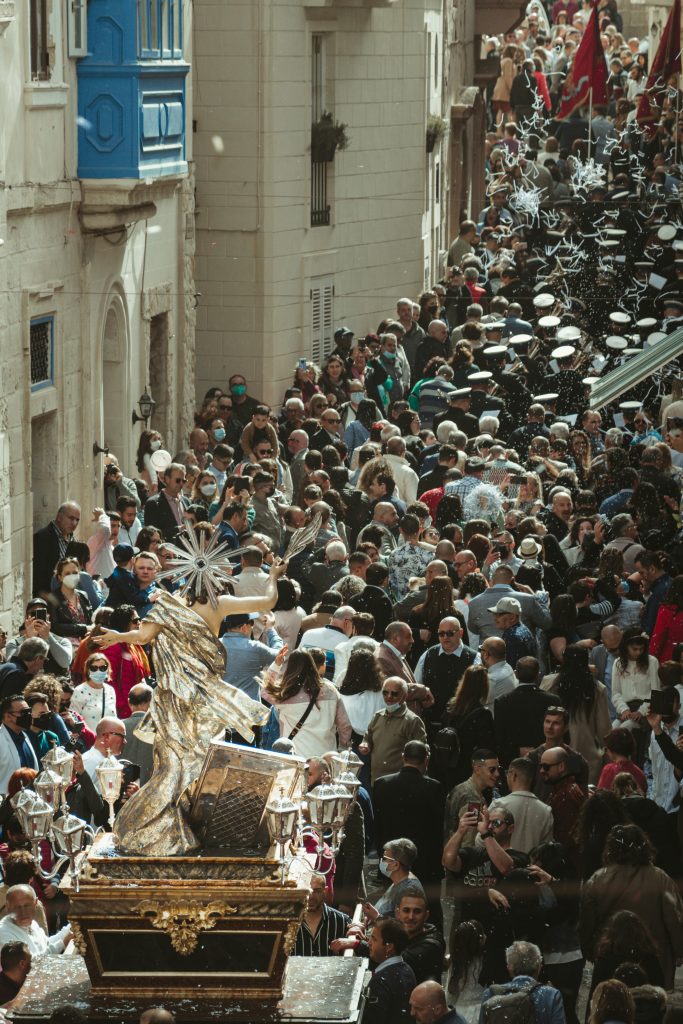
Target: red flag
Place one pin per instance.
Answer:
(667, 62)
(589, 71)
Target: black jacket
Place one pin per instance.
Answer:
(13, 677)
(408, 803)
(518, 720)
(388, 995)
(45, 558)
(158, 513)
(62, 623)
(425, 955)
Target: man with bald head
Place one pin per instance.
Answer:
(603, 658)
(441, 668)
(436, 343)
(157, 1015)
(566, 797)
(437, 567)
(20, 924)
(428, 1005)
(384, 518)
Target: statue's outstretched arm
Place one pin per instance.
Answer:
(144, 634)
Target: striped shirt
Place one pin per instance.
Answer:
(333, 925)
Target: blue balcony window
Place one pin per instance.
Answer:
(160, 29)
(131, 91)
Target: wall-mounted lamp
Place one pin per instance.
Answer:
(96, 450)
(146, 406)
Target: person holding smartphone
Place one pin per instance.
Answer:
(37, 624)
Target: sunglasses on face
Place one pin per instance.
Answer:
(447, 632)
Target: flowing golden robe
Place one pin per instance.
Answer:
(191, 705)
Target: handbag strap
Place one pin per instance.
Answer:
(302, 720)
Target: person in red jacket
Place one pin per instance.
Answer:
(668, 629)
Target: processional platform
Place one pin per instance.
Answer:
(207, 936)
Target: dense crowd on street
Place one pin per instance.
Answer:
(488, 608)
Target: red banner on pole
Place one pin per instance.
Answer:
(589, 71)
(667, 62)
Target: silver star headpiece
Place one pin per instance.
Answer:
(198, 565)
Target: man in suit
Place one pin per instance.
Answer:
(329, 433)
(408, 803)
(518, 716)
(138, 752)
(50, 544)
(481, 620)
(16, 750)
(322, 576)
(165, 509)
(391, 658)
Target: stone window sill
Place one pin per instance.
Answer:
(45, 95)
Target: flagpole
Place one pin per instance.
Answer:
(590, 119)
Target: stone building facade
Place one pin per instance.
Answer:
(96, 271)
(289, 248)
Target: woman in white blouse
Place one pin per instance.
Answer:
(95, 698)
(361, 689)
(634, 677)
(310, 709)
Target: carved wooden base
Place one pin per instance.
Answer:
(184, 927)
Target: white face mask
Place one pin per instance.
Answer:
(207, 489)
(154, 446)
(70, 580)
(357, 397)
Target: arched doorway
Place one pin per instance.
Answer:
(115, 399)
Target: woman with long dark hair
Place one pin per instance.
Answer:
(625, 939)
(361, 689)
(634, 677)
(612, 1003)
(586, 701)
(467, 714)
(150, 441)
(310, 709)
(598, 815)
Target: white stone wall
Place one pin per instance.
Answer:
(256, 251)
(50, 266)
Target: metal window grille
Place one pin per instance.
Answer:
(42, 352)
(77, 27)
(320, 210)
(322, 318)
(40, 58)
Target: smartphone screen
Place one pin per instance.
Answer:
(474, 808)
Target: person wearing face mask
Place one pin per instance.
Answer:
(348, 410)
(16, 750)
(398, 856)
(385, 377)
(390, 729)
(40, 733)
(72, 612)
(95, 698)
(217, 432)
(150, 442)
(243, 404)
(204, 489)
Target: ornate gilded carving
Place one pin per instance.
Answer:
(290, 936)
(79, 939)
(184, 920)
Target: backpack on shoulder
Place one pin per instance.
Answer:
(510, 1005)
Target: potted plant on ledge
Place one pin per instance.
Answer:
(327, 136)
(436, 129)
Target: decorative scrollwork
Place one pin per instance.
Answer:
(290, 936)
(184, 920)
(78, 939)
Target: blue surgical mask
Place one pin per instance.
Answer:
(219, 434)
(98, 675)
(389, 355)
(357, 397)
(384, 869)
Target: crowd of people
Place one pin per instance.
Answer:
(488, 607)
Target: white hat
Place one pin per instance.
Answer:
(544, 301)
(495, 350)
(615, 342)
(568, 334)
(563, 352)
(549, 322)
(615, 232)
(161, 460)
(589, 381)
(520, 339)
(646, 322)
(509, 605)
(620, 318)
(630, 405)
(546, 399)
(529, 548)
(480, 375)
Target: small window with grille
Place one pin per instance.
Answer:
(42, 352)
